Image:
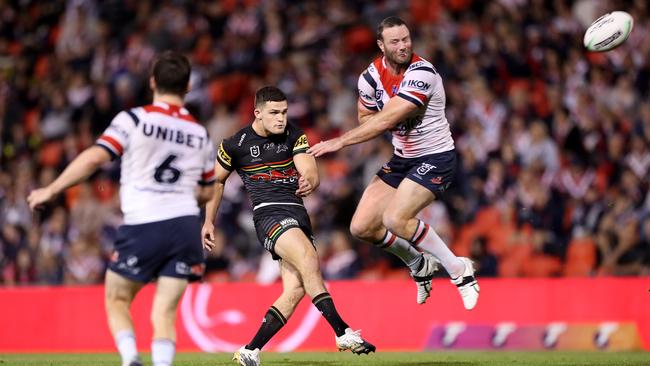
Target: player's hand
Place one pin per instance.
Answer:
(325, 147)
(304, 187)
(207, 233)
(39, 196)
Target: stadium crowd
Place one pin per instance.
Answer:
(554, 141)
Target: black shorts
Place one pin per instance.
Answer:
(273, 221)
(434, 172)
(170, 248)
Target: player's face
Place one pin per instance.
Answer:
(396, 45)
(273, 116)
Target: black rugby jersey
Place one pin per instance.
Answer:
(265, 164)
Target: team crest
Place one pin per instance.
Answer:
(255, 151)
(425, 168)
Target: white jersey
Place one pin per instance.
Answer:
(165, 154)
(423, 133)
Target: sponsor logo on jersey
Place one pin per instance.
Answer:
(289, 221)
(394, 90)
(417, 84)
(173, 135)
(277, 176)
(269, 146)
(436, 180)
(416, 65)
(255, 151)
(409, 124)
(281, 148)
(241, 139)
(378, 94)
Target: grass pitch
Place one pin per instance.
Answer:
(450, 358)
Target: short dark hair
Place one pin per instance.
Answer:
(171, 71)
(389, 22)
(269, 94)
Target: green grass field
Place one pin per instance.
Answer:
(347, 359)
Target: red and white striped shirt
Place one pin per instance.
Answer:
(427, 130)
(165, 154)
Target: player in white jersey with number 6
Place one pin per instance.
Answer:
(167, 171)
(403, 93)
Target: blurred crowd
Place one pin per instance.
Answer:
(554, 142)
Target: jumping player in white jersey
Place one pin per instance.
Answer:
(402, 93)
(167, 171)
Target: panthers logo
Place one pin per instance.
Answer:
(301, 143)
(223, 156)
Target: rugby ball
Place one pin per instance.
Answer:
(608, 31)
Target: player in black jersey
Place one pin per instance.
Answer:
(270, 157)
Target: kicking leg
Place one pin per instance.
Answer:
(119, 294)
(367, 225)
(401, 219)
(276, 317)
(169, 291)
(294, 248)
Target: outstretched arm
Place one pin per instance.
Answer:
(78, 170)
(212, 206)
(309, 180)
(394, 111)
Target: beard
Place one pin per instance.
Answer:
(395, 58)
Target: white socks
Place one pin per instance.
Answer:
(162, 351)
(427, 239)
(401, 248)
(125, 341)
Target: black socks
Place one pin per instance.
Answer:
(325, 305)
(272, 323)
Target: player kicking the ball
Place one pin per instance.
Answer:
(402, 93)
(270, 157)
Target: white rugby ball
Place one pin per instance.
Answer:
(608, 31)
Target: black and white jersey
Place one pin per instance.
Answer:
(265, 164)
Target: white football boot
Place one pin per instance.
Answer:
(467, 285)
(246, 357)
(423, 277)
(352, 340)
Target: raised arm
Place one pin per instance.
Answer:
(78, 170)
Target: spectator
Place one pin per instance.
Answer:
(561, 134)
